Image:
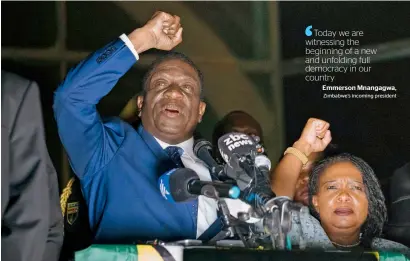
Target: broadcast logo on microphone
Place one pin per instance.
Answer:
(164, 186)
(235, 142)
(184, 185)
(164, 191)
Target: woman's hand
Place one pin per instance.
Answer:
(315, 137)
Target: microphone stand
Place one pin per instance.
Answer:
(229, 224)
(278, 221)
(271, 222)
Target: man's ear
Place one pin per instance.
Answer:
(315, 203)
(202, 107)
(140, 103)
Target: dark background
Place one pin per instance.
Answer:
(377, 130)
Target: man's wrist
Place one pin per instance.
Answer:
(130, 46)
(303, 147)
(142, 40)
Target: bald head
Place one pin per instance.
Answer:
(240, 121)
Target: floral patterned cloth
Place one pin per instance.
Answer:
(307, 233)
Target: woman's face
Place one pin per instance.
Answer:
(341, 200)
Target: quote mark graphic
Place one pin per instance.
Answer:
(308, 31)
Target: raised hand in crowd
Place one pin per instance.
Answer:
(314, 138)
(162, 32)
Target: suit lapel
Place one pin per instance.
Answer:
(165, 164)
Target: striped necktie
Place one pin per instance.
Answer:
(175, 153)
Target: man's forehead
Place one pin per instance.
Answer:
(175, 63)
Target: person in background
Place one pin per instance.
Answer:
(398, 228)
(235, 121)
(32, 227)
(301, 190)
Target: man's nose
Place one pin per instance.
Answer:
(173, 91)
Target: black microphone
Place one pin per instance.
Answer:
(235, 143)
(233, 147)
(203, 150)
(242, 144)
(248, 166)
(182, 185)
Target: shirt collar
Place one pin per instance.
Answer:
(187, 146)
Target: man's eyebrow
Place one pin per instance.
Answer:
(155, 75)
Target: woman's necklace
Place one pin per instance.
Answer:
(352, 245)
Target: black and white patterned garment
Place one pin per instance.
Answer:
(307, 233)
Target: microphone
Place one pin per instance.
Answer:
(183, 185)
(241, 153)
(242, 144)
(235, 143)
(203, 150)
(264, 165)
(247, 166)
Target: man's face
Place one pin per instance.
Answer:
(244, 124)
(172, 108)
(302, 192)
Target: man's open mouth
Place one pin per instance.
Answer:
(171, 110)
(304, 192)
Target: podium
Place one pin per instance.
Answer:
(212, 253)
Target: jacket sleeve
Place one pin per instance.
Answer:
(90, 143)
(56, 227)
(25, 221)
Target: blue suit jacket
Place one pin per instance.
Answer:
(117, 165)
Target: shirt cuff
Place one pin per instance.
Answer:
(130, 46)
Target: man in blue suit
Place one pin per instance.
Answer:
(119, 166)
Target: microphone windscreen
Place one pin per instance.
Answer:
(201, 143)
(235, 143)
(174, 185)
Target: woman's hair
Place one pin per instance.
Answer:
(377, 213)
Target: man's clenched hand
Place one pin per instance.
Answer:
(163, 31)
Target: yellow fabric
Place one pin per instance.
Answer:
(376, 254)
(65, 195)
(148, 253)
